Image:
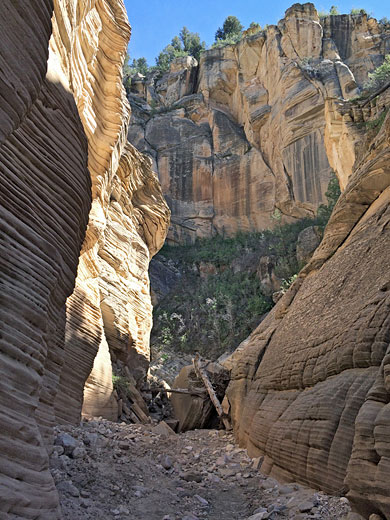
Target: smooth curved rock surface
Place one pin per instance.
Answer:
(309, 387)
(70, 183)
(45, 200)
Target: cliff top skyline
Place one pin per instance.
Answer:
(155, 23)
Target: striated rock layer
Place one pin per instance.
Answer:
(63, 143)
(310, 387)
(242, 133)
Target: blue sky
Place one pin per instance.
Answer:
(155, 22)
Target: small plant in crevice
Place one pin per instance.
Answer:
(120, 384)
(379, 77)
(376, 124)
(286, 284)
(332, 194)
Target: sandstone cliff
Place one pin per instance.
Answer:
(310, 388)
(242, 133)
(63, 143)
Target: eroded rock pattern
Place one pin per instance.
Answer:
(63, 143)
(243, 133)
(310, 389)
(127, 224)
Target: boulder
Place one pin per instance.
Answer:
(270, 282)
(308, 241)
(197, 411)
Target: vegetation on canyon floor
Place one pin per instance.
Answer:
(221, 297)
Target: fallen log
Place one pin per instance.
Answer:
(209, 387)
(376, 93)
(198, 393)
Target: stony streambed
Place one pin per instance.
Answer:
(106, 470)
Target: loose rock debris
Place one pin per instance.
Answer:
(107, 470)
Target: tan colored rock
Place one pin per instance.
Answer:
(359, 40)
(98, 395)
(309, 387)
(308, 241)
(193, 411)
(127, 221)
(45, 200)
(252, 133)
(301, 32)
(63, 131)
(267, 276)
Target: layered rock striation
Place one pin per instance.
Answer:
(242, 133)
(70, 183)
(310, 387)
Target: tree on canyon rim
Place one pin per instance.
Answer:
(231, 28)
(187, 43)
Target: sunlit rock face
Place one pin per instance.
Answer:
(70, 183)
(242, 133)
(310, 387)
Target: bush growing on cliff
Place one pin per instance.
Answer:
(254, 27)
(210, 315)
(332, 194)
(231, 27)
(333, 11)
(186, 44)
(231, 40)
(358, 11)
(380, 76)
(137, 65)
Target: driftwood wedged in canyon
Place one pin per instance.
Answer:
(64, 124)
(242, 133)
(309, 387)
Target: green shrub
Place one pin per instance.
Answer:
(358, 11)
(231, 27)
(210, 315)
(380, 76)
(231, 40)
(256, 27)
(332, 194)
(186, 44)
(333, 11)
(120, 384)
(323, 14)
(376, 124)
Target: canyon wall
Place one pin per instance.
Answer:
(70, 183)
(310, 387)
(242, 133)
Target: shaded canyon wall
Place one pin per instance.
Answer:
(70, 183)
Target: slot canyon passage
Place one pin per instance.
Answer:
(257, 176)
